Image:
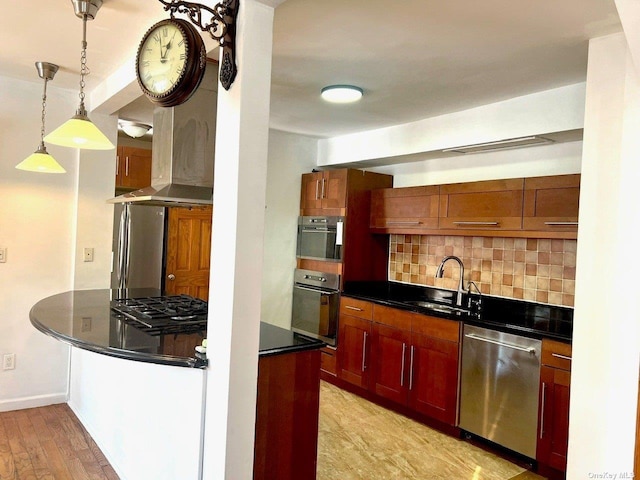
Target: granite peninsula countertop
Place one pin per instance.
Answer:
(84, 319)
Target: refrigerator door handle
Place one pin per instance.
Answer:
(123, 247)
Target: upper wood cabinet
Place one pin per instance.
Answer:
(551, 203)
(536, 207)
(488, 205)
(322, 191)
(133, 167)
(396, 210)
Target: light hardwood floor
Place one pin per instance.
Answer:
(359, 440)
(49, 443)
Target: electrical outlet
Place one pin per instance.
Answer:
(88, 254)
(86, 324)
(3, 254)
(9, 361)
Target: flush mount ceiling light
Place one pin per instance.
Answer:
(133, 129)
(501, 145)
(40, 160)
(79, 131)
(341, 93)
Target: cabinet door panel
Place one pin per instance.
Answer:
(334, 189)
(554, 417)
(310, 191)
(402, 209)
(353, 346)
(495, 204)
(551, 203)
(434, 378)
(390, 348)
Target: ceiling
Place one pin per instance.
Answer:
(414, 59)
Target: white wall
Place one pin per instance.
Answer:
(36, 226)
(604, 377)
(290, 156)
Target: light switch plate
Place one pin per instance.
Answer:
(88, 254)
(3, 254)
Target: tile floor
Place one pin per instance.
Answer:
(359, 440)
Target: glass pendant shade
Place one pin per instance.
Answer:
(79, 132)
(40, 161)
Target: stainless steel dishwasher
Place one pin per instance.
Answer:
(500, 377)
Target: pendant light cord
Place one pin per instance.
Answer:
(44, 108)
(84, 70)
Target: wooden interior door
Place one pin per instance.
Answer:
(188, 252)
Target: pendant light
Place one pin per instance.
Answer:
(40, 160)
(79, 131)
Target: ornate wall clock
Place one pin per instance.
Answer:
(171, 62)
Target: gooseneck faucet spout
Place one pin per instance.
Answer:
(440, 271)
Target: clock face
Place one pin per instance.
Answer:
(163, 58)
(170, 62)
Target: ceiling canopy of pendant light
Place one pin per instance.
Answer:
(80, 131)
(40, 160)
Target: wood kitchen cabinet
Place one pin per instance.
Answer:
(402, 210)
(415, 361)
(405, 357)
(133, 168)
(489, 205)
(322, 191)
(354, 338)
(553, 424)
(346, 193)
(551, 203)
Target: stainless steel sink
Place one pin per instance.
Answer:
(438, 307)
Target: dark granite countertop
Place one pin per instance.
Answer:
(83, 318)
(531, 319)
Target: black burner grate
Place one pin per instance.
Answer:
(164, 314)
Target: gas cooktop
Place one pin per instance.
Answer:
(170, 314)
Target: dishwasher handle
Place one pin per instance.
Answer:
(502, 344)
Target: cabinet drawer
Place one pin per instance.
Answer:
(436, 328)
(356, 308)
(393, 317)
(328, 360)
(556, 354)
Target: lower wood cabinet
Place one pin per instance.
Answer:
(407, 358)
(553, 426)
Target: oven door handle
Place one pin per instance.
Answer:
(318, 229)
(317, 290)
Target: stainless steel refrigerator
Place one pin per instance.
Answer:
(138, 246)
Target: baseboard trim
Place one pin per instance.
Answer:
(32, 402)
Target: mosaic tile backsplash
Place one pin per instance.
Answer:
(539, 270)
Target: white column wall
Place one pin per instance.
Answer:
(237, 247)
(290, 155)
(36, 227)
(604, 377)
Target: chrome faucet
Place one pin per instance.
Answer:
(440, 271)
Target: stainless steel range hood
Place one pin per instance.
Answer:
(183, 151)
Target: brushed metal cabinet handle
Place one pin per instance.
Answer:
(491, 224)
(126, 166)
(404, 349)
(322, 194)
(563, 357)
(349, 307)
(317, 188)
(561, 224)
(411, 369)
(364, 351)
(402, 223)
(544, 396)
